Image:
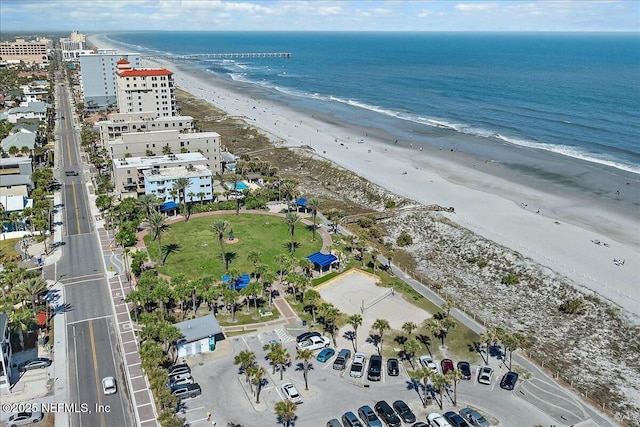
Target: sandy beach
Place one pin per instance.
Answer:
(569, 235)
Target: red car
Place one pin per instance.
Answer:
(447, 366)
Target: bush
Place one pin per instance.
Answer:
(367, 221)
(510, 279)
(572, 306)
(404, 239)
(390, 204)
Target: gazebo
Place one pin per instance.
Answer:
(301, 203)
(169, 206)
(323, 262)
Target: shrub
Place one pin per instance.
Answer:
(367, 221)
(573, 306)
(404, 239)
(510, 279)
(390, 204)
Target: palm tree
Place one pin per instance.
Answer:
(255, 257)
(291, 218)
(148, 202)
(158, 224)
(268, 277)
(235, 179)
(440, 382)
(374, 258)
(245, 359)
(411, 347)
(355, 320)
(174, 194)
(182, 184)
(446, 325)
(490, 337)
(286, 411)
(513, 342)
(305, 355)
(252, 290)
(278, 356)
(454, 377)
(230, 296)
(409, 327)
(363, 236)
(21, 321)
(381, 325)
(30, 289)
(310, 299)
(288, 189)
(219, 228)
(284, 262)
(257, 376)
(201, 195)
(425, 375)
(313, 203)
(162, 294)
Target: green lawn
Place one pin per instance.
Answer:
(196, 250)
(8, 247)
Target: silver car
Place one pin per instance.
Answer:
(485, 376)
(24, 418)
(474, 417)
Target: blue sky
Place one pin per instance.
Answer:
(320, 15)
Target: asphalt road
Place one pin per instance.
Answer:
(91, 340)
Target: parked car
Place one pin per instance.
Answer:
(427, 362)
(325, 354)
(369, 417)
(71, 173)
(306, 335)
(109, 385)
(175, 378)
(291, 393)
(420, 424)
(342, 359)
(334, 423)
(393, 367)
(404, 412)
(474, 417)
(375, 368)
(176, 382)
(437, 420)
(509, 381)
(357, 367)
(37, 363)
(24, 418)
(314, 343)
(455, 420)
(446, 365)
(179, 369)
(485, 375)
(187, 390)
(349, 419)
(386, 413)
(465, 370)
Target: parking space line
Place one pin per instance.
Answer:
(245, 342)
(139, 376)
(199, 408)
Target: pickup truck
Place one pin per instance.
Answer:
(314, 343)
(341, 360)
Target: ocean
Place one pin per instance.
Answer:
(569, 94)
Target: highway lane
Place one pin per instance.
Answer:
(92, 343)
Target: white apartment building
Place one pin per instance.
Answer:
(29, 52)
(141, 144)
(160, 182)
(128, 174)
(120, 123)
(145, 89)
(6, 354)
(73, 46)
(98, 77)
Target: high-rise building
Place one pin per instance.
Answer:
(98, 74)
(145, 89)
(29, 52)
(73, 46)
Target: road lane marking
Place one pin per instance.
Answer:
(75, 203)
(95, 369)
(68, 149)
(88, 320)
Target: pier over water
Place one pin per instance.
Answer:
(233, 55)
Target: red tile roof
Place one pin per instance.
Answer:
(145, 72)
(123, 61)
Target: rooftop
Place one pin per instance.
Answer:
(157, 160)
(195, 171)
(200, 327)
(145, 72)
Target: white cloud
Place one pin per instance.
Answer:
(476, 7)
(424, 13)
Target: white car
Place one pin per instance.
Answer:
(314, 343)
(437, 420)
(291, 393)
(357, 367)
(427, 362)
(109, 385)
(485, 375)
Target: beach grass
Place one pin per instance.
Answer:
(195, 251)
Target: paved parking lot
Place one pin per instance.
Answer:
(330, 394)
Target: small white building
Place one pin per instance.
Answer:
(160, 182)
(32, 110)
(199, 335)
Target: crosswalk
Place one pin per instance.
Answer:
(283, 335)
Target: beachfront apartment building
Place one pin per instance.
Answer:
(145, 89)
(128, 174)
(30, 52)
(160, 182)
(73, 46)
(98, 77)
(121, 123)
(141, 144)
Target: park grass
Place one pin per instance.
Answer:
(237, 333)
(8, 247)
(244, 318)
(195, 250)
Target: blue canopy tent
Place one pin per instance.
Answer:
(168, 206)
(301, 203)
(322, 262)
(241, 282)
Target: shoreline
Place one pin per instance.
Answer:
(487, 197)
